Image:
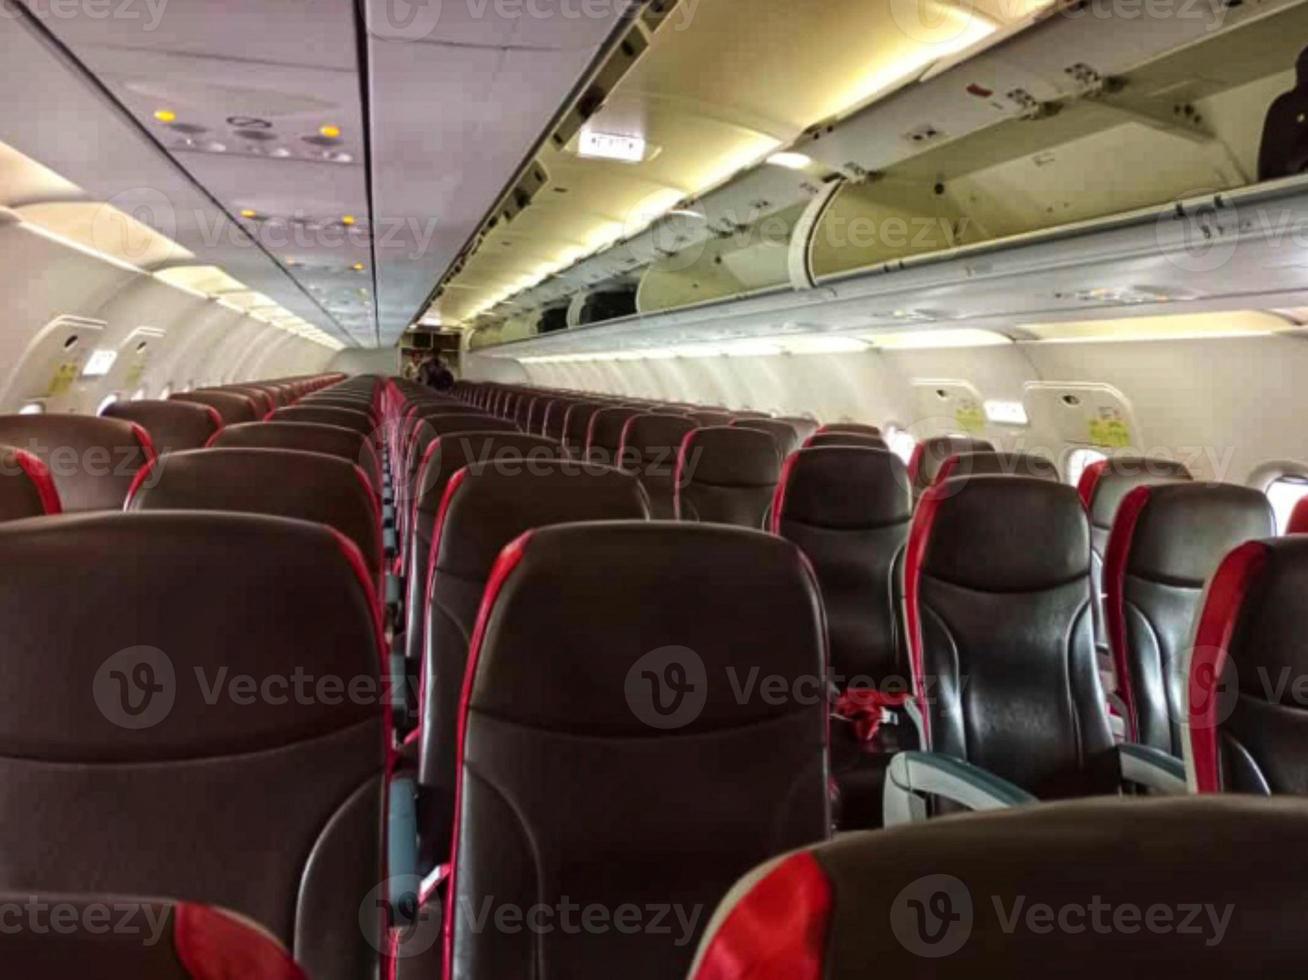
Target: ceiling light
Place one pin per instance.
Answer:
(330, 131)
(99, 363)
(1006, 412)
(936, 339)
(611, 146)
(824, 345)
(789, 160)
(165, 115)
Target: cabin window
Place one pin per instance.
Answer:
(1078, 460)
(1284, 493)
(32, 408)
(901, 442)
(108, 400)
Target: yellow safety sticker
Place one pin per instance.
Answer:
(137, 372)
(64, 376)
(970, 417)
(1110, 430)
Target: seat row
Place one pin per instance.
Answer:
(585, 728)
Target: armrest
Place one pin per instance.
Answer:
(913, 776)
(402, 847)
(1152, 768)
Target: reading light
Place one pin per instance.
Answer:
(790, 160)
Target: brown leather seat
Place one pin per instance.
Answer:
(1026, 893)
(992, 463)
(91, 460)
(234, 408)
(346, 418)
(819, 440)
(930, 455)
(485, 508)
(276, 482)
(263, 401)
(173, 426)
(580, 781)
(649, 449)
(191, 736)
(115, 937)
(783, 433)
(711, 417)
(727, 476)
(853, 428)
(576, 426)
(26, 488)
(604, 440)
(306, 437)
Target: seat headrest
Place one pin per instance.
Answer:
(136, 638)
(1298, 523)
(347, 418)
(309, 437)
(487, 505)
(26, 487)
(843, 488)
(604, 594)
(275, 482)
(858, 439)
(1000, 534)
(1178, 533)
(710, 418)
(931, 454)
(852, 428)
(728, 457)
(449, 453)
(998, 464)
(235, 408)
(172, 425)
(606, 427)
(984, 894)
(1104, 484)
(91, 460)
(646, 434)
(783, 434)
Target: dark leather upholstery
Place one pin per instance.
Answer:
(91, 460)
(566, 793)
(858, 439)
(576, 426)
(1103, 487)
(173, 426)
(998, 599)
(114, 937)
(849, 510)
(444, 457)
(486, 508)
(604, 442)
(998, 464)
(26, 487)
(554, 423)
(265, 803)
(727, 476)
(1166, 544)
(931, 454)
(235, 408)
(711, 418)
(276, 482)
(1032, 892)
(855, 428)
(263, 402)
(804, 427)
(650, 444)
(346, 418)
(428, 429)
(1247, 703)
(306, 437)
(782, 433)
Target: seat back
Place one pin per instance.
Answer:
(1248, 710)
(234, 408)
(783, 433)
(998, 596)
(486, 507)
(346, 418)
(1103, 487)
(172, 426)
(26, 487)
(650, 444)
(604, 441)
(711, 417)
(930, 455)
(576, 426)
(444, 457)
(92, 461)
(554, 422)
(306, 437)
(853, 428)
(160, 717)
(1024, 893)
(1166, 544)
(276, 482)
(114, 937)
(727, 476)
(849, 510)
(580, 781)
(998, 464)
(428, 429)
